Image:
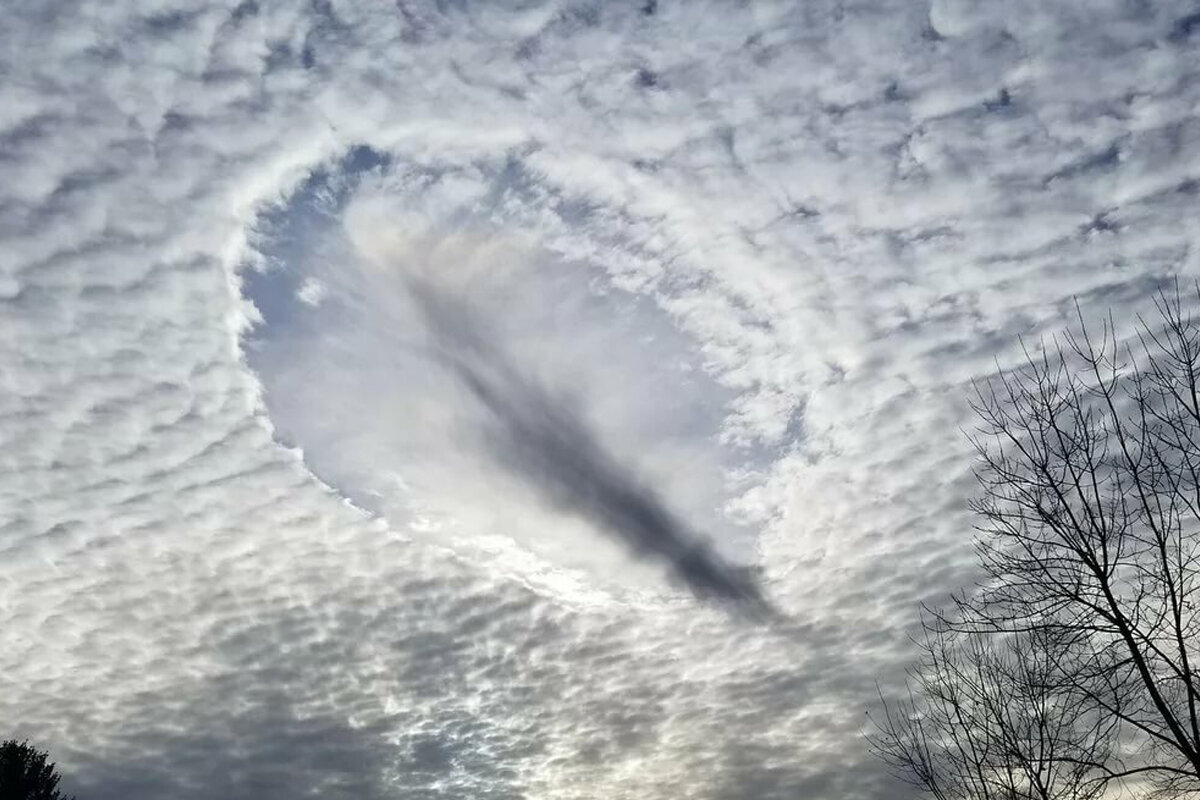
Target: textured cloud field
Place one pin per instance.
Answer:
(406, 400)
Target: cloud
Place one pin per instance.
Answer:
(636, 383)
(814, 223)
(542, 439)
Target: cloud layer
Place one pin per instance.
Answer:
(834, 215)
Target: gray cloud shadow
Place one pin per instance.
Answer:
(540, 438)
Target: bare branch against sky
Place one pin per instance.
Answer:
(1074, 667)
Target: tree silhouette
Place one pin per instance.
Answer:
(987, 719)
(1089, 542)
(25, 773)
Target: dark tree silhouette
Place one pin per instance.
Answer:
(25, 773)
(1089, 467)
(992, 719)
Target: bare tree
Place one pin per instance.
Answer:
(989, 718)
(1089, 466)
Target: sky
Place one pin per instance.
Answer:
(532, 399)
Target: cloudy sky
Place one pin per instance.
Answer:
(531, 399)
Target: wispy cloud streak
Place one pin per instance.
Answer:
(539, 437)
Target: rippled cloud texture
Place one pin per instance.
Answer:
(786, 237)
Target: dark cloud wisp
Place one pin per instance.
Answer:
(540, 437)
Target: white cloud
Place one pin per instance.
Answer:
(836, 215)
(311, 292)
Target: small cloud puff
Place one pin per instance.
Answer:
(311, 292)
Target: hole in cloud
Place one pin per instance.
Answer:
(440, 368)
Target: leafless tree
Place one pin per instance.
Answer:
(1089, 467)
(988, 717)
